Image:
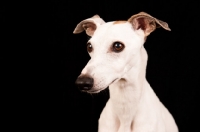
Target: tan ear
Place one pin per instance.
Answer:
(89, 25)
(147, 23)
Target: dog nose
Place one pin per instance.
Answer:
(84, 83)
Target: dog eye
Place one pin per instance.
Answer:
(89, 47)
(118, 47)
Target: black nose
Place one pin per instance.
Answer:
(84, 83)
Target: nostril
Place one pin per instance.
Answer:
(84, 83)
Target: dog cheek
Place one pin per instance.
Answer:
(120, 63)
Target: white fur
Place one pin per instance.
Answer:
(133, 106)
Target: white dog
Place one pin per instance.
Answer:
(118, 60)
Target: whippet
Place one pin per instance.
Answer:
(118, 60)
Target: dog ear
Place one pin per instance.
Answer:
(147, 23)
(89, 25)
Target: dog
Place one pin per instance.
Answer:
(118, 60)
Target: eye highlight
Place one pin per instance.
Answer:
(89, 47)
(117, 46)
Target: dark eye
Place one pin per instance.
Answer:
(118, 47)
(89, 47)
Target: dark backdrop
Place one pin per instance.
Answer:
(171, 70)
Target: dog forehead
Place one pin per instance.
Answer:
(113, 28)
(114, 32)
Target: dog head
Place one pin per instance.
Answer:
(114, 48)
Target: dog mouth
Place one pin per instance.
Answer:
(98, 90)
(94, 91)
(113, 81)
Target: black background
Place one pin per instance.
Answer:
(171, 70)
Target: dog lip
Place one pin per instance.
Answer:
(98, 90)
(94, 91)
(113, 81)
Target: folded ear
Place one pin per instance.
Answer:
(147, 23)
(89, 25)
